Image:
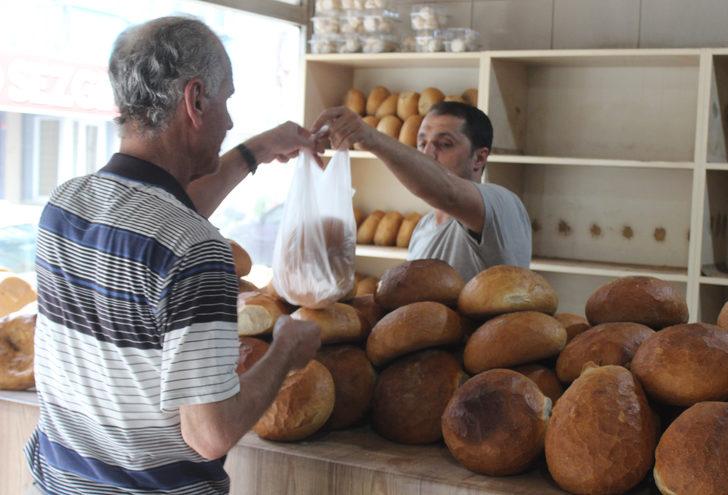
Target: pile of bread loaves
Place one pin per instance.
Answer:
(399, 115)
(491, 368)
(385, 228)
(18, 311)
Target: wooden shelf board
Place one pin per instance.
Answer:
(714, 280)
(586, 162)
(586, 58)
(393, 253)
(399, 60)
(717, 166)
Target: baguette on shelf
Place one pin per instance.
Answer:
(386, 229)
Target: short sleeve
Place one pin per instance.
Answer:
(199, 317)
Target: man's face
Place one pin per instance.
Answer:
(441, 137)
(217, 122)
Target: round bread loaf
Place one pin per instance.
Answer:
(302, 406)
(17, 351)
(367, 286)
(429, 98)
(365, 233)
(388, 106)
(496, 422)
(602, 434)
(368, 309)
(723, 317)
(411, 328)
(574, 324)
(246, 286)
(471, 97)
(355, 101)
(544, 378)
(410, 128)
(390, 125)
(371, 121)
(411, 395)
(608, 343)
(684, 364)
(692, 456)
(646, 300)
(406, 229)
(251, 350)
(513, 339)
(354, 380)
(358, 216)
(241, 258)
(407, 104)
(15, 293)
(338, 323)
(419, 280)
(386, 234)
(376, 98)
(455, 98)
(258, 313)
(504, 289)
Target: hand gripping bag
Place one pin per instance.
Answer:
(313, 258)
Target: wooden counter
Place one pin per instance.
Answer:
(351, 462)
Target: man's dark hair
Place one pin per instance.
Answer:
(476, 124)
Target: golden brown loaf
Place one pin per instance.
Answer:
(419, 280)
(608, 343)
(338, 323)
(358, 216)
(407, 104)
(365, 233)
(471, 97)
(410, 128)
(684, 364)
(390, 125)
(386, 234)
(455, 98)
(411, 395)
(14, 293)
(723, 317)
(692, 456)
(513, 339)
(496, 422)
(408, 227)
(355, 101)
(411, 328)
(246, 286)
(241, 258)
(504, 289)
(354, 380)
(544, 378)
(388, 106)
(258, 313)
(366, 286)
(371, 121)
(646, 300)
(251, 350)
(17, 331)
(376, 98)
(602, 434)
(368, 309)
(574, 324)
(429, 98)
(302, 406)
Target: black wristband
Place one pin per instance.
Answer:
(249, 157)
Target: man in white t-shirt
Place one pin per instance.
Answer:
(474, 225)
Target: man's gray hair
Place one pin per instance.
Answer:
(151, 63)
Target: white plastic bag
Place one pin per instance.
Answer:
(313, 259)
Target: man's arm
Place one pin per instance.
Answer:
(419, 173)
(213, 429)
(280, 143)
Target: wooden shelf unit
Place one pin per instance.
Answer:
(621, 156)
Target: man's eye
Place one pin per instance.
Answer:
(421, 145)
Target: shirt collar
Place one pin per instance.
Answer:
(138, 170)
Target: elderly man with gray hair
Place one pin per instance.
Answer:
(136, 337)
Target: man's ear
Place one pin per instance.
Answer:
(480, 156)
(195, 101)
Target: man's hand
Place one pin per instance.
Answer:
(283, 143)
(299, 340)
(345, 128)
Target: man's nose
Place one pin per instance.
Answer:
(430, 151)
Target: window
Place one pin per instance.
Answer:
(56, 106)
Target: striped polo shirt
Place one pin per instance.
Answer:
(137, 317)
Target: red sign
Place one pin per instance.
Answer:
(31, 84)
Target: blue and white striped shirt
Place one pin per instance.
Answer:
(137, 317)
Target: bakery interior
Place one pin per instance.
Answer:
(601, 368)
